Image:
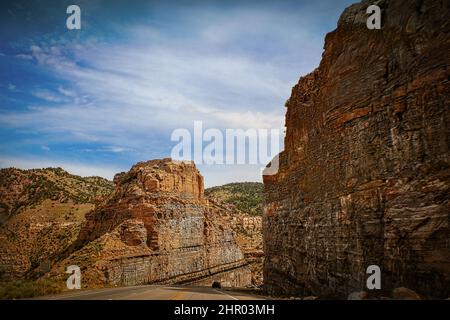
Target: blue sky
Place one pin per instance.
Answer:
(97, 100)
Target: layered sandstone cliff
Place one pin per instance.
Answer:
(365, 175)
(240, 205)
(248, 234)
(158, 228)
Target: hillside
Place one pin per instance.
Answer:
(245, 196)
(21, 189)
(157, 228)
(41, 214)
(43, 211)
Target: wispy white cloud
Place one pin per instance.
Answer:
(67, 92)
(113, 149)
(151, 80)
(47, 95)
(138, 90)
(24, 56)
(127, 93)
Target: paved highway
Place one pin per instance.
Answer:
(152, 292)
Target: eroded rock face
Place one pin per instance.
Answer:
(158, 228)
(248, 234)
(365, 175)
(153, 192)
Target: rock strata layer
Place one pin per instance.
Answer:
(158, 228)
(365, 175)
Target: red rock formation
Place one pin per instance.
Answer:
(158, 228)
(365, 175)
(248, 235)
(150, 191)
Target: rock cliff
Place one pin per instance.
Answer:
(365, 175)
(248, 234)
(239, 204)
(158, 228)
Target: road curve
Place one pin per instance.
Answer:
(153, 292)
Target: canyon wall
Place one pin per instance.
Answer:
(240, 206)
(365, 175)
(248, 234)
(158, 228)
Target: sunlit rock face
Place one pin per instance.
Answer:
(158, 228)
(365, 176)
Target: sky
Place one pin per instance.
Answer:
(97, 100)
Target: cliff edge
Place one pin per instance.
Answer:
(365, 175)
(157, 228)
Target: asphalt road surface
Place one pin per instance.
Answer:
(152, 292)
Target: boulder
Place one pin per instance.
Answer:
(358, 295)
(403, 293)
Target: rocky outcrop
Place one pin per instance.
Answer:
(240, 206)
(248, 234)
(153, 192)
(365, 175)
(158, 228)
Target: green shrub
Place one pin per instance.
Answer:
(19, 289)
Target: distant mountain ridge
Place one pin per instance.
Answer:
(25, 188)
(42, 212)
(245, 196)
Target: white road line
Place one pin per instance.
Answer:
(81, 294)
(119, 290)
(228, 295)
